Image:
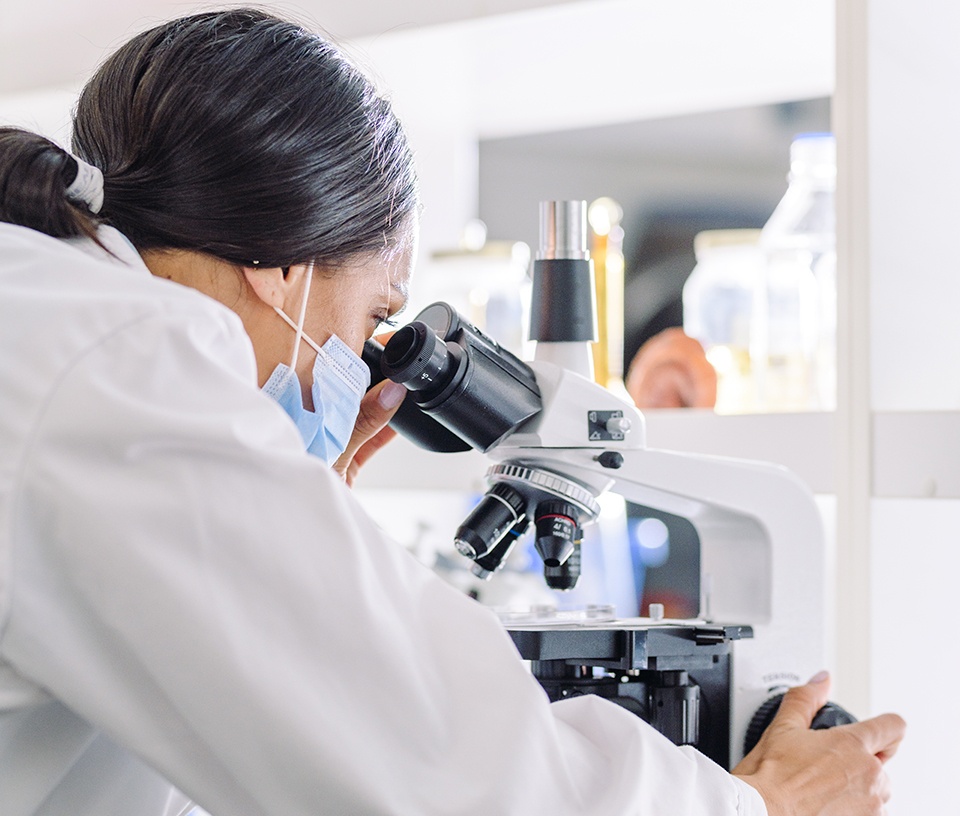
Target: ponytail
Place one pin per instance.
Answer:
(35, 175)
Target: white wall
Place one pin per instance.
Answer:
(45, 111)
(899, 352)
(914, 569)
(914, 121)
(46, 43)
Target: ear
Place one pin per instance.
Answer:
(276, 285)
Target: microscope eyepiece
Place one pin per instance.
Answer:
(402, 350)
(461, 378)
(418, 359)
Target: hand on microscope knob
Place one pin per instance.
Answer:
(833, 772)
(671, 370)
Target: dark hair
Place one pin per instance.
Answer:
(246, 137)
(34, 176)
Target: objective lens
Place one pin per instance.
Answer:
(566, 575)
(497, 513)
(558, 531)
(486, 565)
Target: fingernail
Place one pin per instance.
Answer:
(391, 395)
(819, 677)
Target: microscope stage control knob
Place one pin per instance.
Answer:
(827, 717)
(618, 425)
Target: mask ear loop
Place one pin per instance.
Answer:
(301, 318)
(388, 286)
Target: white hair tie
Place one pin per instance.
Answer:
(87, 187)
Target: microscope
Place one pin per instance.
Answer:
(557, 441)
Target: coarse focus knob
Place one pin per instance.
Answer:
(827, 717)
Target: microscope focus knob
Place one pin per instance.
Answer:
(827, 717)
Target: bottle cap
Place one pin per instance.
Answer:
(813, 155)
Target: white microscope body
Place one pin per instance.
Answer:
(761, 537)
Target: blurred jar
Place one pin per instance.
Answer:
(720, 302)
(797, 337)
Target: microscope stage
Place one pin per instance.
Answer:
(629, 644)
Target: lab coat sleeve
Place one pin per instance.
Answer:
(186, 578)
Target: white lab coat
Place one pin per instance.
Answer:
(190, 602)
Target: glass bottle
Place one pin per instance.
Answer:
(719, 305)
(797, 330)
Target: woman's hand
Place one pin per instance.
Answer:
(671, 371)
(370, 433)
(833, 772)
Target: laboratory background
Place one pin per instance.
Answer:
(676, 123)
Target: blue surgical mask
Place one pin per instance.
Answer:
(340, 379)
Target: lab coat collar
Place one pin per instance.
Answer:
(119, 246)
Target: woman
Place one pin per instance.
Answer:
(193, 606)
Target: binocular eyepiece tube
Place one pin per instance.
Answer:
(461, 378)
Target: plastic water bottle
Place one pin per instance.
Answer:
(797, 326)
(720, 299)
